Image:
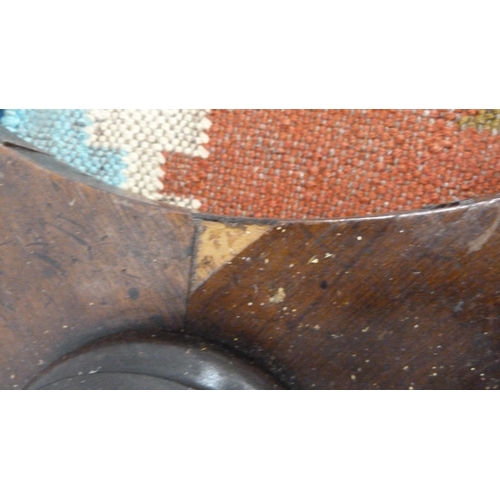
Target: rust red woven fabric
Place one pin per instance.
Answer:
(331, 163)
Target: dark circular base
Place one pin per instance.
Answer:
(151, 365)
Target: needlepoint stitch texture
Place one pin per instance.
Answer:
(277, 163)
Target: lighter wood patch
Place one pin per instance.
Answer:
(218, 244)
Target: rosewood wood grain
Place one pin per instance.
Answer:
(401, 301)
(78, 261)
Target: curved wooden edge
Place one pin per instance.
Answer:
(7, 138)
(397, 301)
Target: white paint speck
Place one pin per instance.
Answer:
(353, 377)
(250, 303)
(364, 330)
(313, 260)
(359, 238)
(406, 368)
(278, 297)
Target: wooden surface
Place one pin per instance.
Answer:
(391, 302)
(217, 243)
(78, 263)
(400, 301)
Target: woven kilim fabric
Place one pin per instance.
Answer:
(278, 163)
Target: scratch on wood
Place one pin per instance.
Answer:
(8, 306)
(59, 216)
(479, 242)
(48, 260)
(37, 243)
(71, 235)
(50, 300)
